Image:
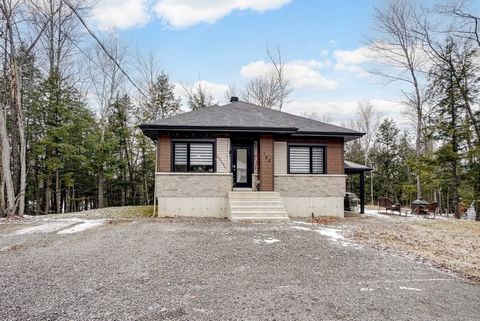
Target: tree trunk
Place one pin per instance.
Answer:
(2, 188)
(47, 195)
(101, 183)
(58, 196)
(7, 173)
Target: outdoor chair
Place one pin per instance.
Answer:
(431, 208)
(389, 205)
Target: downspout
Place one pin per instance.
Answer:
(155, 181)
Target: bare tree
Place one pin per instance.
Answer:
(400, 49)
(11, 26)
(325, 117)
(106, 80)
(433, 40)
(272, 89)
(468, 26)
(368, 122)
(231, 92)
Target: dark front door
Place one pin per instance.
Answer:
(242, 165)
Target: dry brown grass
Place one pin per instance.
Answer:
(111, 212)
(450, 244)
(325, 220)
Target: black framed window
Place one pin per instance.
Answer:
(306, 159)
(193, 157)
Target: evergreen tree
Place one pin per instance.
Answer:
(162, 102)
(451, 123)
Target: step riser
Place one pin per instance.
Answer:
(256, 207)
(259, 217)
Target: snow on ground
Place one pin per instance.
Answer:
(395, 216)
(63, 226)
(409, 289)
(269, 240)
(332, 233)
(47, 227)
(82, 227)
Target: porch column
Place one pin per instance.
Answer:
(265, 172)
(362, 192)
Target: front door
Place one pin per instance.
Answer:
(242, 165)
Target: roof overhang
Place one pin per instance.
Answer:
(354, 168)
(153, 131)
(346, 135)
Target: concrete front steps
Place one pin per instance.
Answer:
(249, 206)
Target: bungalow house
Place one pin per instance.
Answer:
(247, 162)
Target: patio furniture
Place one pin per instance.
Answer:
(429, 208)
(389, 205)
(432, 208)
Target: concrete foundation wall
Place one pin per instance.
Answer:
(192, 194)
(303, 195)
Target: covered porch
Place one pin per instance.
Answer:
(352, 168)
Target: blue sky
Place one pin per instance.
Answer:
(223, 43)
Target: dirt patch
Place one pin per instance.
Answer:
(448, 244)
(326, 220)
(12, 248)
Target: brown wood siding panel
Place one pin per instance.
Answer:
(335, 150)
(266, 163)
(164, 154)
(335, 157)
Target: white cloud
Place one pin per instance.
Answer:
(185, 13)
(301, 73)
(121, 14)
(353, 57)
(341, 111)
(216, 90)
(350, 60)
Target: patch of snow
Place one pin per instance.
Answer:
(48, 227)
(266, 241)
(409, 289)
(82, 227)
(332, 233)
(301, 228)
(366, 289)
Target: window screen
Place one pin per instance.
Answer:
(306, 159)
(317, 160)
(299, 160)
(193, 157)
(180, 156)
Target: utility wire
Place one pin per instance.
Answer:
(90, 31)
(72, 41)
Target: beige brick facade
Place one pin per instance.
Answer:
(193, 184)
(310, 185)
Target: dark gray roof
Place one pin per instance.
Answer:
(242, 116)
(351, 167)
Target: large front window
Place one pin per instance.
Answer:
(306, 159)
(193, 157)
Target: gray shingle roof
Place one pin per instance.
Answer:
(238, 115)
(354, 167)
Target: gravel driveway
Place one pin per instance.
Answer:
(216, 270)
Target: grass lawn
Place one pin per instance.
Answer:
(446, 243)
(139, 211)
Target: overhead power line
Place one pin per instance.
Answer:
(71, 40)
(90, 31)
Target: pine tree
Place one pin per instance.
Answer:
(162, 102)
(450, 119)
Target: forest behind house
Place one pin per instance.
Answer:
(71, 102)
